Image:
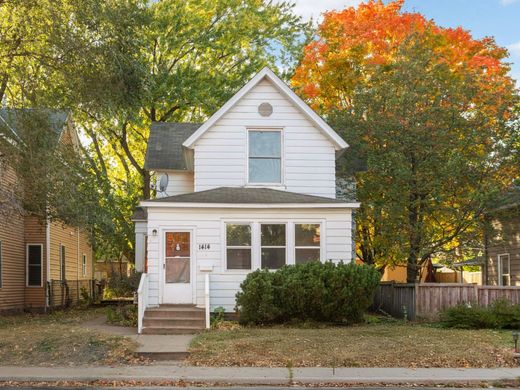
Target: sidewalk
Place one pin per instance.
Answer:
(259, 375)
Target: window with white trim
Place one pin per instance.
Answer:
(265, 156)
(63, 273)
(504, 269)
(306, 242)
(34, 265)
(273, 245)
(238, 246)
(84, 265)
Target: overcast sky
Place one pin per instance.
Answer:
(497, 18)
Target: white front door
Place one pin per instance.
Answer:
(177, 267)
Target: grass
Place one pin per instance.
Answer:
(389, 344)
(60, 339)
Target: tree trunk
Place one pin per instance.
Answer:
(146, 184)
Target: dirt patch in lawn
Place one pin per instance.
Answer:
(60, 339)
(375, 345)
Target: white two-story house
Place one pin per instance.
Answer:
(252, 187)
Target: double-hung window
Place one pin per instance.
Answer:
(504, 268)
(306, 242)
(238, 246)
(273, 245)
(84, 265)
(265, 156)
(34, 265)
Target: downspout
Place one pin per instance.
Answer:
(48, 262)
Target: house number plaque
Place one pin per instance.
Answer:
(203, 247)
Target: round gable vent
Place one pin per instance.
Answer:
(265, 109)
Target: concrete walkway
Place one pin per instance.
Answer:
(260, 376)
(156, 347)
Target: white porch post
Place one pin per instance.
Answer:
(140, 238)
(207, 305)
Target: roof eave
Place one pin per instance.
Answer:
(342, 205)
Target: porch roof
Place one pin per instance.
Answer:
(241, 195)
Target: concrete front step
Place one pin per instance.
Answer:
(167, 330)
(162, 356)
(183, 314)
(173, 321)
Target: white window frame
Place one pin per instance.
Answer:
(84, 264)
(250, 247)
(260, 246)
(282, 153)
(501, 257)
(320, 247)
(27, 265)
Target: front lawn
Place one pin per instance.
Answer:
(60, 339)
(389, 344)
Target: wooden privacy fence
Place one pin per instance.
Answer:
(426, 300)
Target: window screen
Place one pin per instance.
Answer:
(265, 157)
(307, 243)
(238, 246)
(273, 245)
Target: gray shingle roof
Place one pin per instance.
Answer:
(11, 118)
(165, 149)
(240, 195)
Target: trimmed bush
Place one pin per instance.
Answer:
(313, 291)
(501, 314)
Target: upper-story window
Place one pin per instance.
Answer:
(265, 156)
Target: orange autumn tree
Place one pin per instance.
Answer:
(428, 110)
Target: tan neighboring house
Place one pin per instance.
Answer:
(502, 266)
(42, 264)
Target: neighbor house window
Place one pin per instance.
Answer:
(307, 242)
(272, 241)
(238, 246)
(62, 263)
(265, 156)
(504, 270)
(84, 265)
(34, 265)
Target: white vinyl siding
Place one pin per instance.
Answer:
(178, 183)
(209, 228)
(308, 155)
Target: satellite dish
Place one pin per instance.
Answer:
(163, 183)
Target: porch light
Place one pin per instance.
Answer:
(154, 232)
(178, 247)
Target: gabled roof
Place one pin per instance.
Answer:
(164, 150)
(10, 118)
(285, 90)
(237, 196)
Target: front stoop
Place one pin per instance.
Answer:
(173, 319)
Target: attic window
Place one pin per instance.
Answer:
(265, 156)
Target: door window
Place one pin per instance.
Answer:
(177, 259)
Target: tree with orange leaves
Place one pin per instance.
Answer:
(430, 110)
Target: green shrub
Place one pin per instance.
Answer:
(120, 286)
(501, 314)
(313, 291)
(122, 315)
